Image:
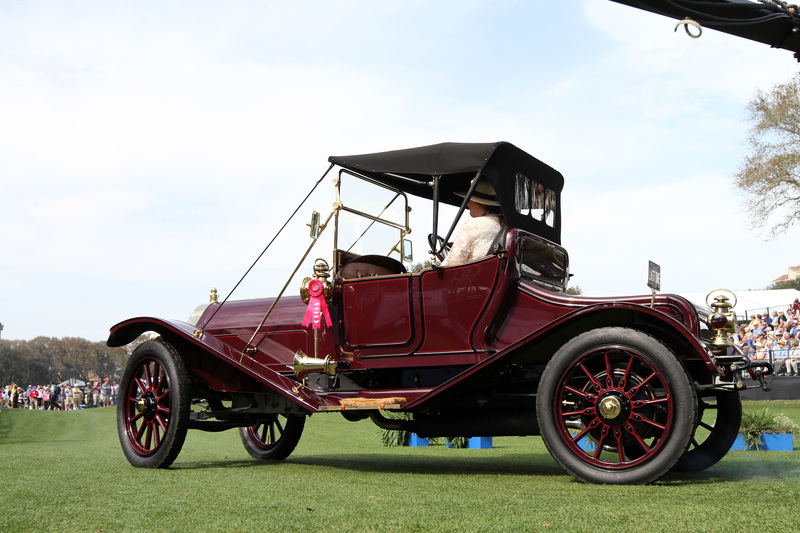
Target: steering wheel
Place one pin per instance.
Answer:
(438, 246)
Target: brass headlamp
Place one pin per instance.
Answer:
(722, 319)
(321, 272)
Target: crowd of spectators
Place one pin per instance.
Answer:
(774, 338)
(60, 397)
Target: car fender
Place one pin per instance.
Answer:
(538, 346)
(206, 352)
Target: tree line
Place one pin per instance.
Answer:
(45, 359)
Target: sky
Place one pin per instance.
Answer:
(149, 150)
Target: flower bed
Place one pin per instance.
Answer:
(763, 431)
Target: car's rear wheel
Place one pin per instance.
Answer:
(153, 407)
(616, 406)
(275, 438)
(720, 415)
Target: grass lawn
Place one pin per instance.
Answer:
(65, 471)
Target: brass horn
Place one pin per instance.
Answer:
(304, 365)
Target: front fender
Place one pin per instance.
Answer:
(202, 352)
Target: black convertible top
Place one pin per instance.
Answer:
(440, 171)
(771, 22)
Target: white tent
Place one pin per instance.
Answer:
(749, 303)
(72, 382)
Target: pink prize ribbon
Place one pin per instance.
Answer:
(316, 306)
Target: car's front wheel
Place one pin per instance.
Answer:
(153, 406)
(616, 406)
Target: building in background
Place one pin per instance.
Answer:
(792, 274)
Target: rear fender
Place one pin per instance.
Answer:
(216, 363)
(663, 327)
(539, 346)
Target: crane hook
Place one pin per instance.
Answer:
(689, 22)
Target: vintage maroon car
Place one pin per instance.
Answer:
(622, 390)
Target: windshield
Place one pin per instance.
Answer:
(373, 218)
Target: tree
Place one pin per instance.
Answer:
(770, 175)
(574, 291)
(419, 267)
(786, 284)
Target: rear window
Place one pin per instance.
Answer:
(535, 200)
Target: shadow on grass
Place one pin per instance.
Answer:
(405, 464)
(462, 465)
(750, 469)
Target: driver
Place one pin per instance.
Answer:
(477, 233)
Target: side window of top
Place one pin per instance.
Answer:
(535, 200)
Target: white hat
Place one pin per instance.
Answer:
(483, 194)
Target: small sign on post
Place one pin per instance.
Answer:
(653, 280)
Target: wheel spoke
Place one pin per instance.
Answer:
(148, 435)
(640, 418)
(635, 389)
(162, 422)
(632, 431)
(586, 396)
(589, 411)
(609, 373)
(600, 442)
(620, 444)
(623, 381)
(141, 386)
(595, 383)
(147, 379)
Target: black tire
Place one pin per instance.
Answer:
(153, 407)
(623, 391)
(720, 415)
(275, 438)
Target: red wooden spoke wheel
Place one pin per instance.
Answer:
(616, 406)
(153, 408)
(274, 438)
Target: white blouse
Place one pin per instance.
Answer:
(474, 240)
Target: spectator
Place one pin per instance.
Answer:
(55, 390)
(14, 395)
(68, 400)
(33, 398)
(793, 358)
(105, 393)
(77, 397)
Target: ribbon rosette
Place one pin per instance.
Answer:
(316, 305)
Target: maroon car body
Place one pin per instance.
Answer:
(617, 387)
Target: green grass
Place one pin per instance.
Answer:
(66, 472)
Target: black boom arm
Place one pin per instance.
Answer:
(771, 22)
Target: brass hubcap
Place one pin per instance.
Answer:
(610, 407)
